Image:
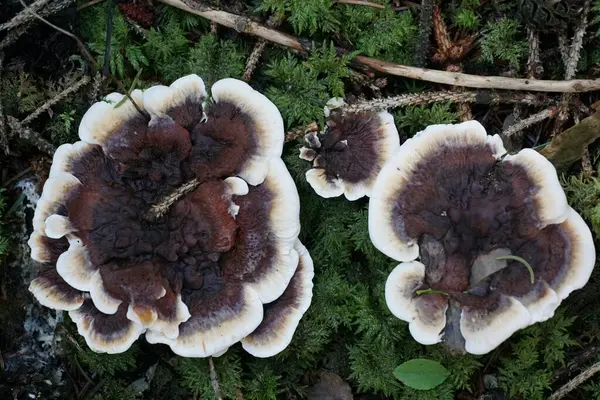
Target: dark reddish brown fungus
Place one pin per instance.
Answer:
(197, 276)
(453, 199)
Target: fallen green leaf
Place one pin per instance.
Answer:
(421, 374)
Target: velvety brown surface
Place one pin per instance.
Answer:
(357, 160)
(462, 204)
(277, 311)
(109, 326)
(221, 144)
(187, 114)
(252, 258)
(182, 251)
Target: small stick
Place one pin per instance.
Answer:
(87, 55)
(301, 132)
(89, 4)
(272, 22)
(531, 120)
(23, 16)
(478, 97)
(575, 382)
(161, 208)
(361, 3)
(59, 97)
(245, 25)
(534, 68)
(213, 379)
(31, 136)
(577, 42)
(3, 135)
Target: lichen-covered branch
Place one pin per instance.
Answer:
(575, 382)
(245, 25)
(56, 99)
(24, 16)
(29, 135)
(534, 67)
(479, 97)
(531, 120)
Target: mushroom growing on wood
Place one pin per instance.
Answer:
(487, 241)
(199, 274)
(350, 152)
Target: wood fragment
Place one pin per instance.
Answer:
(575, 382)
(361, 3)
(3, 134)
(272, 22)
(534, 67)
(527, 122)
(29, 135)
(161, 208)
(568, 147)
(477, 97)
(214, 380)
(24, 16)
(245, 25)
(425, 28)
(300, 132)
(56, 99)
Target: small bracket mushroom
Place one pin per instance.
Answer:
(350, 152)
(199, 276)
(472, 227)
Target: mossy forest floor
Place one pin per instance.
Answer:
(348, 343)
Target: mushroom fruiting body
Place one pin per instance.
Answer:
(467, 221)
(198, 274)
(350, 152)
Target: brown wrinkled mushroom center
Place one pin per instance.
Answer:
(348, 147)
(465, 209)
(182, 250)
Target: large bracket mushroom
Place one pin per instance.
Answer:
(487, 241)
(350, 152)
(222, 264)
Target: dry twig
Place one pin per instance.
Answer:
(161, 208)
(531, 120)
(534, 67)
(3, 134)
(24, 16)
(213, 379)
(59, 97)
(573, 383)
(245, 25)
(478, 97)
(272, 22)
(361, 3)
(30, 136)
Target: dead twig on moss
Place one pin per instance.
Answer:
(88, 56)
(272, 22)
(214, 379)
(477, 97)
(24, 16)
(29, 135)
(56, 99)
(575, 382)
(3, 133)
(531, 120)
(245, 25)
(361, 3)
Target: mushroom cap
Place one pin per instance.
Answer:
(451, 198)
(197, 276)
(351, 151)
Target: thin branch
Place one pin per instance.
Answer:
(478, 97)
(531, 120)
(245, 25)
(30, 136)
(3, 134)
(213, 379)
(161, 208)
(23, 16)
(89, 4)
(577, 42)
(88, 56)
(59, 97)
(575, 382)
(361, 3)
(301, 132)
(534, 67)
(272, 22)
